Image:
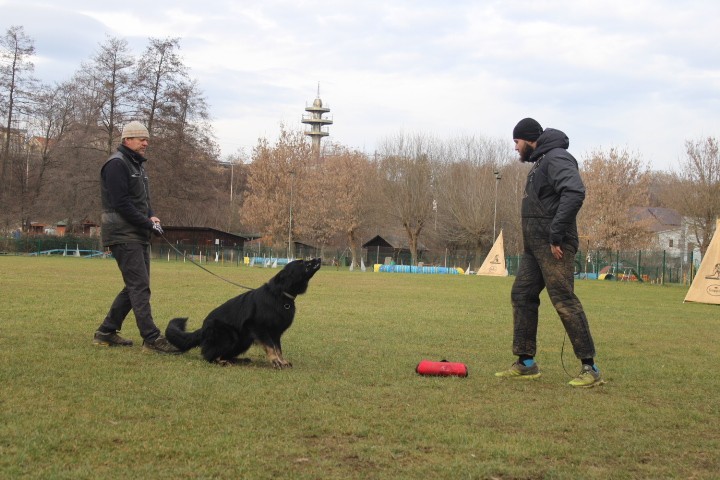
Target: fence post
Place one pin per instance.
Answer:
(597, 262)
(692, 268)
(617, 264)
(662, 280)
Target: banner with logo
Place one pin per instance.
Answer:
(494, 263)
(705, 287)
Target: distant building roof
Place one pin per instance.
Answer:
(201, 236)
(397, 242)
(659, 219)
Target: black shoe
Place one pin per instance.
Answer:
(111, 339)
(161, 345)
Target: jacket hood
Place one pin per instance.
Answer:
(549, 140)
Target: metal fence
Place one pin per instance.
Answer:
(650, 266)
(48, 244)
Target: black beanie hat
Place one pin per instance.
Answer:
(527, 129)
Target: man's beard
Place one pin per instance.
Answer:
(525, 153)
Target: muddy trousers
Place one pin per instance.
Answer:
(539, 269)
(133, 259)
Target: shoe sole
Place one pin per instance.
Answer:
(152, 350)
(108, 344)
(594, 384)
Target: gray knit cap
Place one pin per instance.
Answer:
(134, 129)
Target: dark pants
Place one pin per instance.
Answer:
(539, 269)
(133, 259)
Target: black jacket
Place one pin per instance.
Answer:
(554, 190)
(125, 194)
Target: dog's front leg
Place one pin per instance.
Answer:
(274, 355)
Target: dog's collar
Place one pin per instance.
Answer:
(288, 306)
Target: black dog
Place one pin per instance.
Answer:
(258, 316)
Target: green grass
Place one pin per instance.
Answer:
(352, 407)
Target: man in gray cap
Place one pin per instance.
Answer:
(127, 222)
(554, 193)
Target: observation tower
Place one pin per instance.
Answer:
(318, 124)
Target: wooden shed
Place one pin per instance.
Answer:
(201, 237)
(389, 249)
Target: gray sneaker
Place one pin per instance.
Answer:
(160, 345)
(520, 372)
(111, 339)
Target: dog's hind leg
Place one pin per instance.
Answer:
(222, 343)
(230, 357)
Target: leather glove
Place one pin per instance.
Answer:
(157, 230)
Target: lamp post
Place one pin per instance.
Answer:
(497, 180)
(292, 180)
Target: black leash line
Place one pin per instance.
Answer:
(562, 351)
(198, 265)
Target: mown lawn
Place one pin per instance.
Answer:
(352, 407)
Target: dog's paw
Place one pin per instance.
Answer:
(281, 363)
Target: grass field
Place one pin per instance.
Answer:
(352, 407)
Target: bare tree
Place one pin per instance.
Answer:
(47, 125)
(234, 171)
(511, 189)
(160, 72)
(615, 181)
(697, 192)
(184, 160)
(406, 183)
(107, 87)
(347, 180)
(313, 221)
(273, 201)
(465, 194)
(16, 91)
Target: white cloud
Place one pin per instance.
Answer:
(642, 74)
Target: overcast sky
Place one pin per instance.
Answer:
(643, 75)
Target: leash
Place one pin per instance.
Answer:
(562, 351)
(198, 265)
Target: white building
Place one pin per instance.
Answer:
(672, 232)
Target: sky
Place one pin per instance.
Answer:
(640, 75)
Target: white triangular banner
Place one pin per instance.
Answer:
(705, 287)
(494, 264)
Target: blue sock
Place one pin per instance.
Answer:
(528, 362)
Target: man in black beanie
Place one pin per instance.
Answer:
(554, 193)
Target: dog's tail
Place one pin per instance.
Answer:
(176, 334)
